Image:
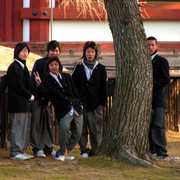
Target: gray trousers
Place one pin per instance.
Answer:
(92, 125)
(41, 133)
(157, 132)
(70, 129)
(20, 131)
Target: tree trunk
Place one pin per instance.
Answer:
(126, 137)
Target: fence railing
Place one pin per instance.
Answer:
(166, 49)
(172, 111)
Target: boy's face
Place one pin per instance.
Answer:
(152, 46)
(54, 53)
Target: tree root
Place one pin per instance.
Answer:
(126, 155)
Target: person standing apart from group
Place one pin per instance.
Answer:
(19, 98)
(90, 78)
(161, 77)
(41, 137)
(60, 89)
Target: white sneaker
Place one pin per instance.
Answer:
(19, 157)
(84, 155)
(69, 158)
(28, 155)
(53, 153)
(60, 158)
(40, 153)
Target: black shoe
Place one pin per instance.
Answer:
(162, 156)
(91, 154)
(152, 152)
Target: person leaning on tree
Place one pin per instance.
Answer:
(41, 138)
(20, 97)
(90, 79)
(161, 77)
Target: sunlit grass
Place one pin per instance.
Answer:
(94, 168)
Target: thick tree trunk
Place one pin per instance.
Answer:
(127, 134)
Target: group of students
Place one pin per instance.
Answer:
(78, 101)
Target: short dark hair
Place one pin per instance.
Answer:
(50, 60)
(152, 38)
(52, 45)
(90, 44)
(19, 47)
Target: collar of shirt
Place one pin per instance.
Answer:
(88, 70)
(152, 57)
(22, 65)
(56, 78)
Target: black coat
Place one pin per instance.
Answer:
(40, 67)
(19, 88)
(93, 92)
(161, 78)
(62, 98)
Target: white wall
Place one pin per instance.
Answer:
(163, 30)
(53, 3)
(26, 3)
(73, 30)
(26, 30)
(26, 23)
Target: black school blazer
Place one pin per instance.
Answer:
(93, 92)
(19, 88)
(161, 78)
(62, 98)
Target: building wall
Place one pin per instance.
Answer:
(18, 22)
(168, 30)
(74, 30)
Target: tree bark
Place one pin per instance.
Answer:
(126, 137)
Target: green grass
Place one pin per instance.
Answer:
(94, 168)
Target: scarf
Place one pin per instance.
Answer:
(90, 64)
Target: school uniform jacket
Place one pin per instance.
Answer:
(19, 88)
(41, 68)
(64, 97)
(93, 92)
(161, 78)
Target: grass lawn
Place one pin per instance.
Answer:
(94, 168)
